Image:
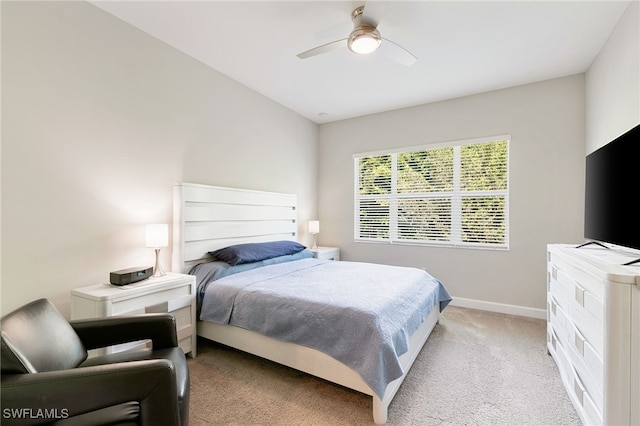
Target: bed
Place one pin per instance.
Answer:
(252, 304)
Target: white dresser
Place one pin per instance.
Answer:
(593, 330)
(173, 293)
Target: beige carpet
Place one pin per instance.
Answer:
(477, 368)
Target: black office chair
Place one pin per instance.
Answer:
(47, 377)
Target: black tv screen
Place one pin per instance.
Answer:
(612, 192)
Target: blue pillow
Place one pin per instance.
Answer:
(255, 252)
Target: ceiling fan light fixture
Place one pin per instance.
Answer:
(364, 40)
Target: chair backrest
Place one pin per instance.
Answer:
(37, 338)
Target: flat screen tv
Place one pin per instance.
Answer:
(612, 192)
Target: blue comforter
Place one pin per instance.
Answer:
(361, 314)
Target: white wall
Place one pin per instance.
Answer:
(546, 123)
(99, 120)
(613, 83)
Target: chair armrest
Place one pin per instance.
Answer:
(100, 332)
(81, 390)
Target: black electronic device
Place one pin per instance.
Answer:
(130, 275)
(611, 192)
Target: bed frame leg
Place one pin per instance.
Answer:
(379, 411)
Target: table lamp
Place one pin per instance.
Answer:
(157, 237)
(314, 229)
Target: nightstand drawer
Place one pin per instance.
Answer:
(183, 317)
(186, 345)
(184, 326)
(130, 305)
(172, 305)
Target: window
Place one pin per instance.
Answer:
(454, 194)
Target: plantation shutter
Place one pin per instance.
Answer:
(448, 195)
(483, 186)
(375, 188)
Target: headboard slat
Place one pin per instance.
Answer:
(229, 229)
(201, 212)
(207, 218)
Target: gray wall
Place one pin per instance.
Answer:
(99, 120)
(546, 124)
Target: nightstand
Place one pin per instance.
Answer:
(173, 293)
(329, 253)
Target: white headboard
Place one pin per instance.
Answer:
(207, 218)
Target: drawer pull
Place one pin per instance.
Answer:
(578, 341)
(548, 282)
(548, 311)
(578, 389)
(554, 272)
(159, 308)
(579, 294)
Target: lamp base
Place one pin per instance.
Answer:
(157, 269)
(314, 245)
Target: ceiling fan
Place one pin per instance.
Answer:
(364, 39)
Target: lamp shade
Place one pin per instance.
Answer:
(157, 235)
(314, 227)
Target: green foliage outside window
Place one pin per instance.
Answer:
(375, 175)
(484, 166)
(425, 171)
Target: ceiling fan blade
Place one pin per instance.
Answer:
(373, 12)
(334, 45)
(397, 53)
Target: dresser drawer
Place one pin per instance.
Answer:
(579, 395)
(586, 299)
(585, 405)
(555, 349)
(557, 319)
(589, 330)
(561, 359)
(587, 363)
(556, 288)
(585, 309)
(590, 282)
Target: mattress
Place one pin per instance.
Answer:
(361, 314)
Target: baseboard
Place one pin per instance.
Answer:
(502, 308)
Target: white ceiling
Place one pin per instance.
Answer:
(462, 47)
